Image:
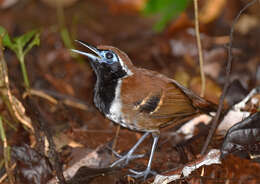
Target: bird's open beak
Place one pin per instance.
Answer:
(89, 55)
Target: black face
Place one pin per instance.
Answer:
(105, 63)
(109, 68)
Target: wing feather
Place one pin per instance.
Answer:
(173, 103)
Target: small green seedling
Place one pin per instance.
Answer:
(21, 45)
(167, 9)
(6, 150)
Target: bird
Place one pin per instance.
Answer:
(139, 99)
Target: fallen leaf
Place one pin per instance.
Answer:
(32, 167)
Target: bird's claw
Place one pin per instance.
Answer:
(126, 158)
(115, 153)
(139, 174)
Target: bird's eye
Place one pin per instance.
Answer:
(109, 55)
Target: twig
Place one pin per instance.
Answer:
(215, 122)
(40, 94)
(15, 108)
(5, 175)
(203, 81)
(14, 105)
(56, 98)
(36, 114)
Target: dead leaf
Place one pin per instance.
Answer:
(246, 23)
(7, 3)
(32, 167)
(213, 91)
(119, 6)
(211, 10)
(12, 102)
(213, 157)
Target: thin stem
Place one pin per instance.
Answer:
(6, 152)
(24, 72)
(203, 81)
(215, 120)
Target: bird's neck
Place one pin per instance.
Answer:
(105, 92)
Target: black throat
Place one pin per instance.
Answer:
(108, 77)
(104, 94)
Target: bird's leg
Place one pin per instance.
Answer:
(147, 171)
(126, 158)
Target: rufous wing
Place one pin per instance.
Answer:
(173, 103)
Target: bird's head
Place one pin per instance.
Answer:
(108, 62)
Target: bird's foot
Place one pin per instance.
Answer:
(125, 158)
(115, 153)
(139, 174)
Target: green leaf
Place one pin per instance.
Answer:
(22, 40)
(160, 25)
(25, 42)
(167, 9)
(21, 46)
(157, 6)
(6, 41)
(34, 42)
(2, 31)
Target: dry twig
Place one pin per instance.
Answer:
(228, 71)
(36, 114)
(203, 81)
(55, 98)
(15, 106)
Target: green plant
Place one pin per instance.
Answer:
(6, 151)
(21, 45)
(167, 9)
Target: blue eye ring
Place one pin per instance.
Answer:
(109, 55)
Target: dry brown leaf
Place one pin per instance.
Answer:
(182, 77)
(63, 139)
(118, 6)
(15, 105)
(213, 91)
(213, 157)
(7, 3)
(246, 23)
(211, 10)
(19, 111)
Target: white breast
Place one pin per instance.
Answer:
(115, 113)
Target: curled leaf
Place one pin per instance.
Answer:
(32, 167)
(243, 139)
